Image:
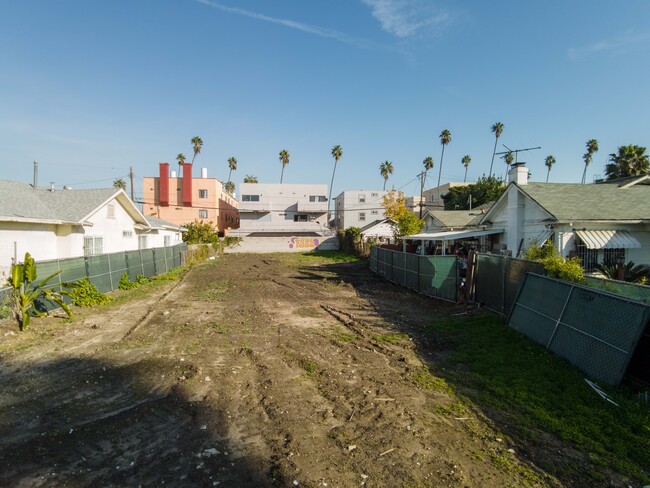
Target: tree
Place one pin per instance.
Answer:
(181, 159)
(229, 187)
(428, 164)
(497, 129)
(549, 162)
(250, 179)
(200, 232)
(232, 164)
(284, 159)
(197, 145)
(630, 160)
(445, 138)
(386, 169)
(337, 152)
(406, 222)
(509, 158)
(466, 160)
(486, 189)
(119, 183)
(592, 148)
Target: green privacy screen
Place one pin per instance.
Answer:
(595, 331)
(434, 276)
(630, 290)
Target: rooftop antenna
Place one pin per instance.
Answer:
(517, 151)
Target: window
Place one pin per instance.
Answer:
(127, 233)
(110, 211)
(93, 246)
(142, 242)
(613, 255)
(362, 199)
(588, 257)
(362, 216)
(317, 198)
(374, 195)
(203, 214)
(374, 212)
(203, 193)
(300, 218)
(168, 241)
(250, 198)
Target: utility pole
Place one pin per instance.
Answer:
(131, 175)
(421, 175)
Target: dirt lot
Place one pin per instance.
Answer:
(252, 370)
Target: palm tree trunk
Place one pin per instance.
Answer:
(385, 180)
(442, 156)
(329, 197)
(465, 178)
(282, 174)
(494, 151)
(584, 174)
(229, 173)
(547, 174)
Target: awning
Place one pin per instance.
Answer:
(608, 239)
(542, 237)
(449, 236)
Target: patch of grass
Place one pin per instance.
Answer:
(425, 380)
(502, 369)
(346, 337)
(214, 291)
(391, 338)
(171, 275)
(308, 312)
(324, 257)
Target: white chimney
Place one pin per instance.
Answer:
(204, 172)
(173, 174)
(51, 186)
(518, 173)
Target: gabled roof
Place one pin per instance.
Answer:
(571, 201)
(377, 222)
(156, 223)
(461, 218)
(20, 202)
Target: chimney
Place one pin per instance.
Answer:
(187, 184)
(35, 173)
(518, 174)
(163, 185)
(204, 173)
(51, 186)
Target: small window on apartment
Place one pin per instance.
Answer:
(374, 195)
(374, 212)
(312, 198)
(127, 233)
(203, 214)
(250, 198)
(110, 211)
(362, 199)
(322, 198)
(300, 218)
(203, 193)
(93, 246)
(362, 216)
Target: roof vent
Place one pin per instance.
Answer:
(66, 187)
(51, 186)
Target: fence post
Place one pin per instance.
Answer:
(110, 271)
(503, 286)
(126, 261)
(154, 261)
(141, 262)
(557, 323)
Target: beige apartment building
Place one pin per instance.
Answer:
(184, 199)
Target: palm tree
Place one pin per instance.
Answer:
(250, 179)
(497, 128)
(386, 169)
(466, 160)
(197, 144)
(549, 162)
(119, 183)
(428, 164)
(337, 152)
(232, 164)
(229, 187)
(630, 160)
(592, 148)
(181, 159)
(445, 138)
(284, 158)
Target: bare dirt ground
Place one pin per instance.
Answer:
(253, 370)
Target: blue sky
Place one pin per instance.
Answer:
(89, 88)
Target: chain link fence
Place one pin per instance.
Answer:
(630, 290)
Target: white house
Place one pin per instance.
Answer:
(358, 208)
(596, 222)
(58, 224)
(381, 231)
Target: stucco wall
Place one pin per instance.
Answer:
(285, 244)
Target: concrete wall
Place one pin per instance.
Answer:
(285, 244)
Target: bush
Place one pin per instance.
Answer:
(142, 279)
(84, 294)
(555, 265)
(125, 284)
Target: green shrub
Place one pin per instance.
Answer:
(125, 284)
(555, 265)
(142, 279)
(84, 294)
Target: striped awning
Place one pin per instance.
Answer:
(608, 239)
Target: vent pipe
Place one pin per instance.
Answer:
(51, 186)
(204, 173)
(35, 173)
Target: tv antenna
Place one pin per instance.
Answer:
(517, 151)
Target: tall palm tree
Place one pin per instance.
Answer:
(549, 162)
(466, 160)
(386, 169)
(250, 179)
(445, 138)
(497, 129)
(284, 159)
(197, 144)
(630, 160)
(181, 159)
(592, 148)
(509, 158)
(337, 152)
(428, 164)
(232, 164)
(119, 183)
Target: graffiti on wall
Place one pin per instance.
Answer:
(303, 243)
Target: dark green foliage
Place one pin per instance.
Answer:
(84, 294)
(125, 284)
(628, 161)
(141, 279)
(631, 273)
(486, 189)
(555, 265)
(199, 232)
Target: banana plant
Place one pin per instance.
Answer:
(25, 291)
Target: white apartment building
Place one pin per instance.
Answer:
(432, 198)
(358, 208)
(278, 210)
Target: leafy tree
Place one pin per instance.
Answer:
(250, 179)
(497, 129)
(284, 159)
(119, 183)
(386, 169)
(199, 232)
(466, 160)
(554, 264)
(592, 148)
(229, 186)
(337, 152)
(486, 189)
(628, 161)
(181, 159)
(197, 145)
(232, 164)
(549, 162)
(445, 138)
(407, 223)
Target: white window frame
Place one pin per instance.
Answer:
(203, 193)
(93, 245)
(203, 214)
(362, 216)
(362, 198)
